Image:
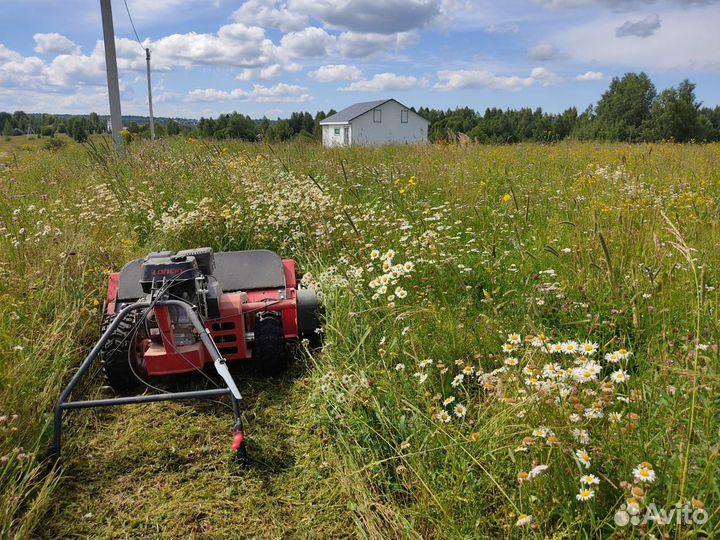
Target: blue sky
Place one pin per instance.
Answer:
(267, 57)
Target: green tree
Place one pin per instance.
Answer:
(7, 128)
(624, 109)
(264, 127)
(282, 131)
(242, 127)
(173, 128)
(675, 115)
(77, 129)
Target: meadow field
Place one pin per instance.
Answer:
(520, 342)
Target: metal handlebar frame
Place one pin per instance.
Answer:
(63, 404)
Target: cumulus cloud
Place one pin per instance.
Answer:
(360, 45)
(386, 81)
(78, 69)
(23, 72)
(643, 28)
(270, 14)
(544, 52)
(65, 70)
(6, 55)
(211, 94)
(54, 43)
(544, 76)
(689, 41)
(502, 28)
(590, 76)
(279, 93)
(377, 16)
(309, 42)
(267, 73)
(620, 5)
(461, 79)
(335, 72)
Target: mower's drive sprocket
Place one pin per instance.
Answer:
(122, 354)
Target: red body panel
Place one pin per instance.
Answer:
(230, 332)
(113, 284)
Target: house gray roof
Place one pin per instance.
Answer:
(353, 111)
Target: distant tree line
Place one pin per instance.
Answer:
(300, 125)
(47, 125)
(630, 110)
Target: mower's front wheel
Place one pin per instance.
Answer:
(122, 354)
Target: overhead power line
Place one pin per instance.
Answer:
(147, 60)
(133, 24)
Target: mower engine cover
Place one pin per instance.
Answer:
(179, 270)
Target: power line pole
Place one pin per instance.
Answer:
(152, 121)
(112, 73)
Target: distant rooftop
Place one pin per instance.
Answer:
(353, 111)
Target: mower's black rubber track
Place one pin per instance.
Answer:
(270, 351)
(117, 353)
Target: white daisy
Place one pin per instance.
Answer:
(585, 494)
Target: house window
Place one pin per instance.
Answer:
(337, 131)
(404, 117)
(377, 115)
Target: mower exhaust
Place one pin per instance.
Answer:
(177, 312)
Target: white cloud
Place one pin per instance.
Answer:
(23, 72)
(360, 45)
(265, 73)
(689, 41)
(544, 52)
(590, 76)
(619, 5)
(544, 76)
(310, 42)
(643, 28)
(386, 81)
(461, 79)
(210, 94)
(54, 43)
(279, 93)
(335, 72)
(65, 71)
(234, 45)
(6, 55)
(77, 69)
(42, 101)
(268, 14)
(502, 28)
(376, 16)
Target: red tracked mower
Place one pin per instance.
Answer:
(177, 312)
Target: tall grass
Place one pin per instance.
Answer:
(610, 244)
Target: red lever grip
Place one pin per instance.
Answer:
(238, 440)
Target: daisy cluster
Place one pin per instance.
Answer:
(387, 284)
(585, 385)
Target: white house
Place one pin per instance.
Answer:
(386, 121)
